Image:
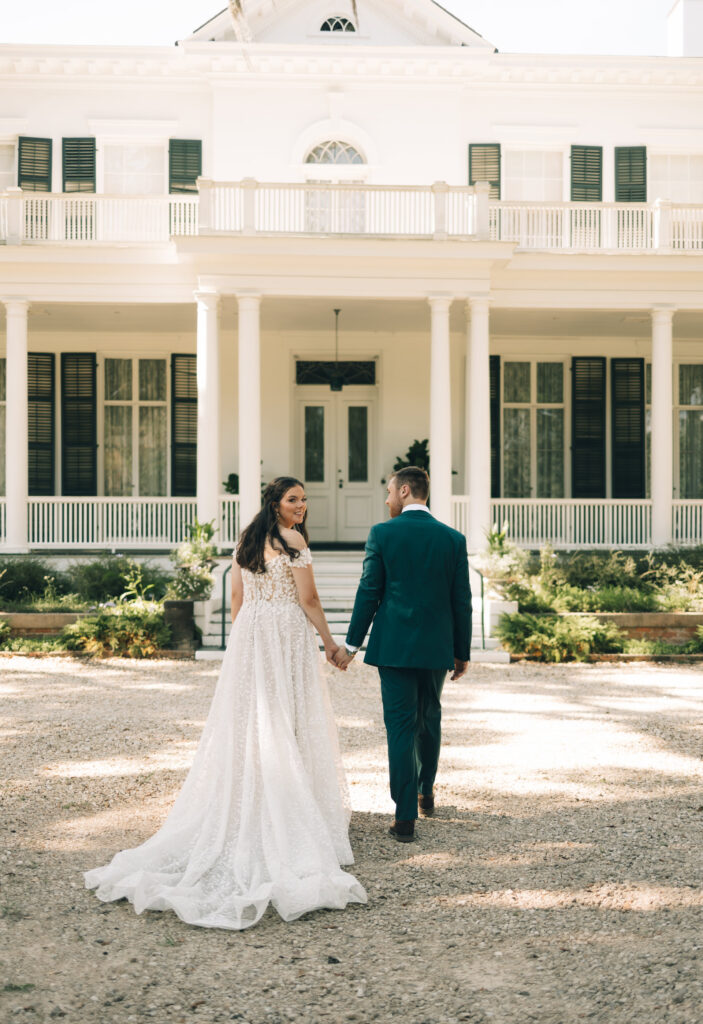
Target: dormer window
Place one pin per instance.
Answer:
(338, 25)
(334, 152)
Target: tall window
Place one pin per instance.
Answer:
(134, 169)
(135, 427)
(533, 429)
(7, 166)
(3, 399)
(533, 175)
(690, 416)
(676, 176)
(340, 211)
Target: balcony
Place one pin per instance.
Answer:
(438, 211)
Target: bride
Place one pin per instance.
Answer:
(264, 812)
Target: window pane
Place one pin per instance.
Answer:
(152, 450)
(314, 444)
(550, 382)
(516, 453)
(516, 382)
(118, 450)
(690, 448)
(691, 385)
(550, 453)
(118, 380)
(358, 444)
(152, 380)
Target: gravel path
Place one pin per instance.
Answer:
(561, 880)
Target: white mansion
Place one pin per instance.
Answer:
(514, 243)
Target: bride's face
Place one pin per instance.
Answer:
(292, 507)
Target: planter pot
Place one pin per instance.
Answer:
(179, 616)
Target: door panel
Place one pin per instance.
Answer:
(336, 459)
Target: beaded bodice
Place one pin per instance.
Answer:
(277, 584)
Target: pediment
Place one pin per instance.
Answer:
(374, 23)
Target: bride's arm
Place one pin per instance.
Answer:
(237, 589)
(310, 599)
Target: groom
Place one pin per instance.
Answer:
(415, 588)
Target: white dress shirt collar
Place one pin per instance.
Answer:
(416, 508)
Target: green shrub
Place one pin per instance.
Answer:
(5, 634)
(130, 630)
(556, 638)
(569, 598)
(107, 578)
(193, 561)
(23, 578)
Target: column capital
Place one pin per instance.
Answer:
(248, 300)
(15, 307)
(663, 313)
(440, 300)
(477, 303)
(207, 298)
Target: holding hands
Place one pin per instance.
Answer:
(338, 656)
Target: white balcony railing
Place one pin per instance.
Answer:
(351, 209)
(86, 217)
(150, 523)
(108, 522)
(687, 527)
(569, 523)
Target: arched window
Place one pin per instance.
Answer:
(334, 152)
(338, 25)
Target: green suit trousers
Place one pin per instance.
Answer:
(412, 713)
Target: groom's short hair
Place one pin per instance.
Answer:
(417, 480)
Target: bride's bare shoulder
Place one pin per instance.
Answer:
(293, 539)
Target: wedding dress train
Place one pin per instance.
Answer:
(264, 812)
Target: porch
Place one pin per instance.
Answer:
(159, 524)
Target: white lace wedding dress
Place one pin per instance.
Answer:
(264, 812)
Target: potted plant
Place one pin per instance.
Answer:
(192, 583)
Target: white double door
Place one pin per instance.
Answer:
(337, 460)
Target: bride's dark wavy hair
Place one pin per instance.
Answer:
(264, 527)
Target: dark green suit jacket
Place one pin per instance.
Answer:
(415, 589)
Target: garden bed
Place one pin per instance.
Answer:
(38, 623)
(671, 627)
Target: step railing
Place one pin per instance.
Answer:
(228, 522)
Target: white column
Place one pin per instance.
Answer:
(478, 422)
(662, 425)
(16, 426)
(249, 407)
(208, 376)
(440, 410)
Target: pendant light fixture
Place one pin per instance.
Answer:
(336, 379)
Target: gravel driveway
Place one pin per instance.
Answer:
(560, 881)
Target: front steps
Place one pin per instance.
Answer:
(337, 575)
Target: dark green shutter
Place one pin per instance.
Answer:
(78, 161)
(79, 475)
(586, 174)
(484, 165)
(630, 174)
(588, 427)
(494, 364)
(34, 165)
(628, 433)
(40, 394)
(185, 165)
(184, 426)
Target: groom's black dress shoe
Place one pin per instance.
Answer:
(403, 831)
(426, 804)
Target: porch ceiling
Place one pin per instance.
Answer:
(358, 315)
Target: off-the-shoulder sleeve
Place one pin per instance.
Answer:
(303, 560)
